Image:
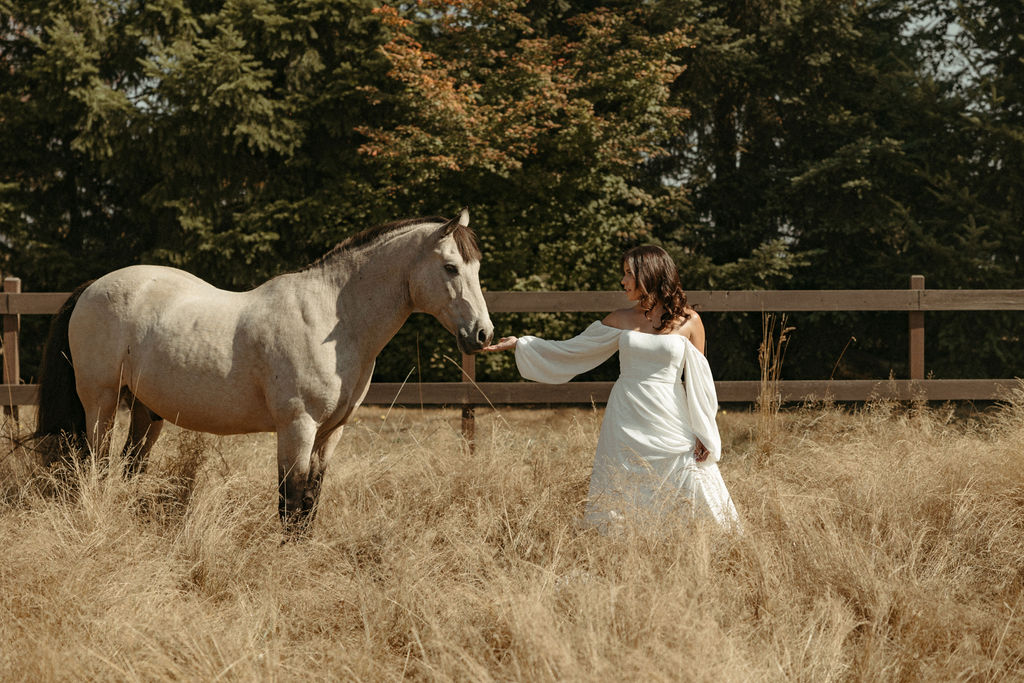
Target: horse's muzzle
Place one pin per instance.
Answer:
(471, 341)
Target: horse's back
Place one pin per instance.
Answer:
(124, 305)
(127, 286)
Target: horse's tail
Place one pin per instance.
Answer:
(60, 409)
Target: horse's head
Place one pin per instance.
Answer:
(446, 284)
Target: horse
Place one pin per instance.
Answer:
(293, 356)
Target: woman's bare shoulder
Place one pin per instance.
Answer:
(685, 326)
(693, 329)
(694, 319)
(622, 318)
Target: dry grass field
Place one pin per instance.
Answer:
(882, 543)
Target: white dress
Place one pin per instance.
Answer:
(644, 462)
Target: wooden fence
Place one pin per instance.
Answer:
(915, 301)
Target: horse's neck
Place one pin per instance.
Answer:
(370, 295)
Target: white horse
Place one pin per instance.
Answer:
(294, 355)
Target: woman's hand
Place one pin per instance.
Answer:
(700, 452)
(504, 344)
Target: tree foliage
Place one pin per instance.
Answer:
(807, 144)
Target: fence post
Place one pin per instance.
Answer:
(916, 320)
(10, 326)
(468, 409)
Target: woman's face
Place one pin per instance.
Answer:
(628, 283)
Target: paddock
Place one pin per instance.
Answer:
(882, 541)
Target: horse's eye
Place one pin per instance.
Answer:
(452, 269)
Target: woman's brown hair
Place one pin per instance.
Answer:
(657, 280)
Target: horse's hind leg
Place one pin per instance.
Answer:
(318, 464)
(100, 410)
(143, 431)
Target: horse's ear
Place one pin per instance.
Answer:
(454, 223)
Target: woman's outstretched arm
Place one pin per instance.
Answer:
(556, 362)
(503, 344)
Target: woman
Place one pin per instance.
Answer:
(659, 443)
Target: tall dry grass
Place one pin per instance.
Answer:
(771, 354)
(885, 543)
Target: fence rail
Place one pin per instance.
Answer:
(915, 301)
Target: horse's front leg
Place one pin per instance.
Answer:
(294, 452)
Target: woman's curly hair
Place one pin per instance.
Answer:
(657, 280)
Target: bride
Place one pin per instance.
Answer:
(659, 444)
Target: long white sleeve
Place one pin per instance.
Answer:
(556, 362)
(702, 401)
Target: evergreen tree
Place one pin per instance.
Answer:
(974, 237)
(67, 72)
(824, 125)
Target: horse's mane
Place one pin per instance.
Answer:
(465, 238)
